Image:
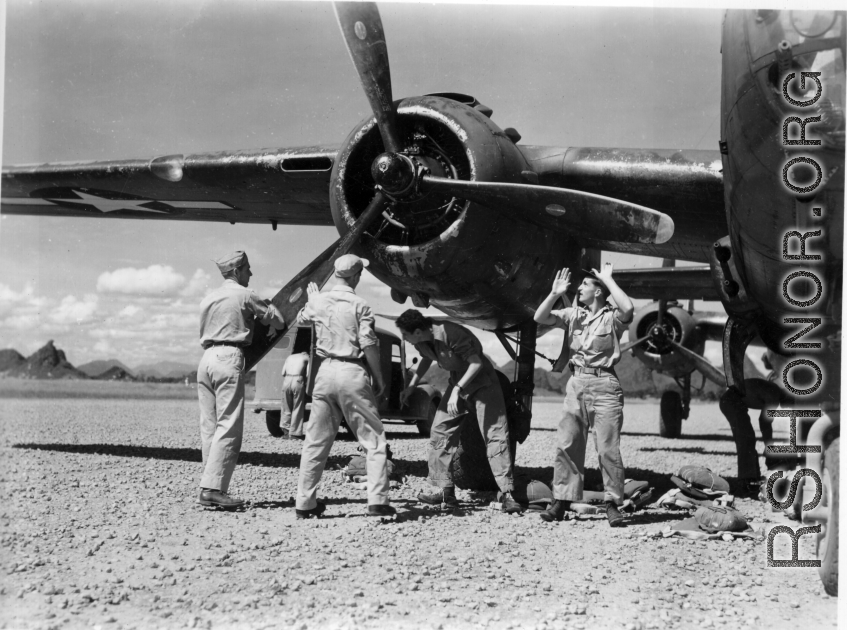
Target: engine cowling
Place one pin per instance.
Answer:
(677, 325)
(471, 262)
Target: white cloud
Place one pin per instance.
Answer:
(74, 311)
(12, 301)
(198, 285)
(129, 311)
(159, 280)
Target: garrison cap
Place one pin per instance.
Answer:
(349, 265)
(231, 261)
(591, 275)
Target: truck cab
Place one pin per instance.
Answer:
(421, 406)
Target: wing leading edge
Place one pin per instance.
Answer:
(285, 186)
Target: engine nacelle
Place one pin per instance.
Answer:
(472, 262)
(656, 353)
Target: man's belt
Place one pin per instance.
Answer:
(601, 371)
(345, 359)
(231, 344)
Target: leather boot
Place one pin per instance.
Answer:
(510, 506)
(216, 498)
(556, 511)
(614, 515)
(447, 496)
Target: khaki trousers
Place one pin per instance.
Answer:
(293, 403)
(220, 388)
(342, 389)
(591, 402)
(494, 426)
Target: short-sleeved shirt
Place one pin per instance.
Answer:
(228, 312)
(344, 323)
(451, 347)
(593, 340)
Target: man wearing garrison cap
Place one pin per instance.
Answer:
(344, 326)
(226, 328)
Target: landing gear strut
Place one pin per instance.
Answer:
(674, 408)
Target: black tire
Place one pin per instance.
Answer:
(670, 415)
(272, 419)
(425, 426)
(828, 540)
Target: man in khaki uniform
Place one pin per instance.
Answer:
(473, 381)
(344, 325)
(593, 398)
(226, 327)
(294, 373)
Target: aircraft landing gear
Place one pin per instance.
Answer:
(674, 408)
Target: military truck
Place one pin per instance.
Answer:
(419, 410)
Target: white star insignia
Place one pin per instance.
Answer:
(111, 205)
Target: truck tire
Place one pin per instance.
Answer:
(470, 461)
(272, 420)
(670, 415)
(828, 540)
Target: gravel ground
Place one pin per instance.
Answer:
(99, 528)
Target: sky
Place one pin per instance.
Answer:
(97, 80)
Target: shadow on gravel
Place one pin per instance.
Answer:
(685, 438)
(277, 460)
(699, 450)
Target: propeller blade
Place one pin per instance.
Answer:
(716, 375)
(594, 216)
(631, 344)
(362, 29)
(293, 296)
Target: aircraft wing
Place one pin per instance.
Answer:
(685, 185)
(668, 283)
(288, 186)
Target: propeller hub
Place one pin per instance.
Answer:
(394, 173)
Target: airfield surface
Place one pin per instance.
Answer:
(99, 528)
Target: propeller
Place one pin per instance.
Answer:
(362, 29)
(593, 216)
(708, 370)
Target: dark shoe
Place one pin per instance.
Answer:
(510, 506)
(216, 498)
(315, 511)
(614, 515)
(447, 496)
(556, 511)
(381, 510)
(296, 437)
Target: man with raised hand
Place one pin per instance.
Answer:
(344, 326)
(593, 397)
(227, 315)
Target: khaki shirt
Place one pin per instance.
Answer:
(451, 347)
(344, 323)
(228, 312)
(593, 340)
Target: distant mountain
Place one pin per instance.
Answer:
(47, 362)
(165, 369)
(115, 373)
(10, 360)
(97, 368)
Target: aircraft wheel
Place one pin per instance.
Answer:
(272, 420)
(827, 551)
(670, 415)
